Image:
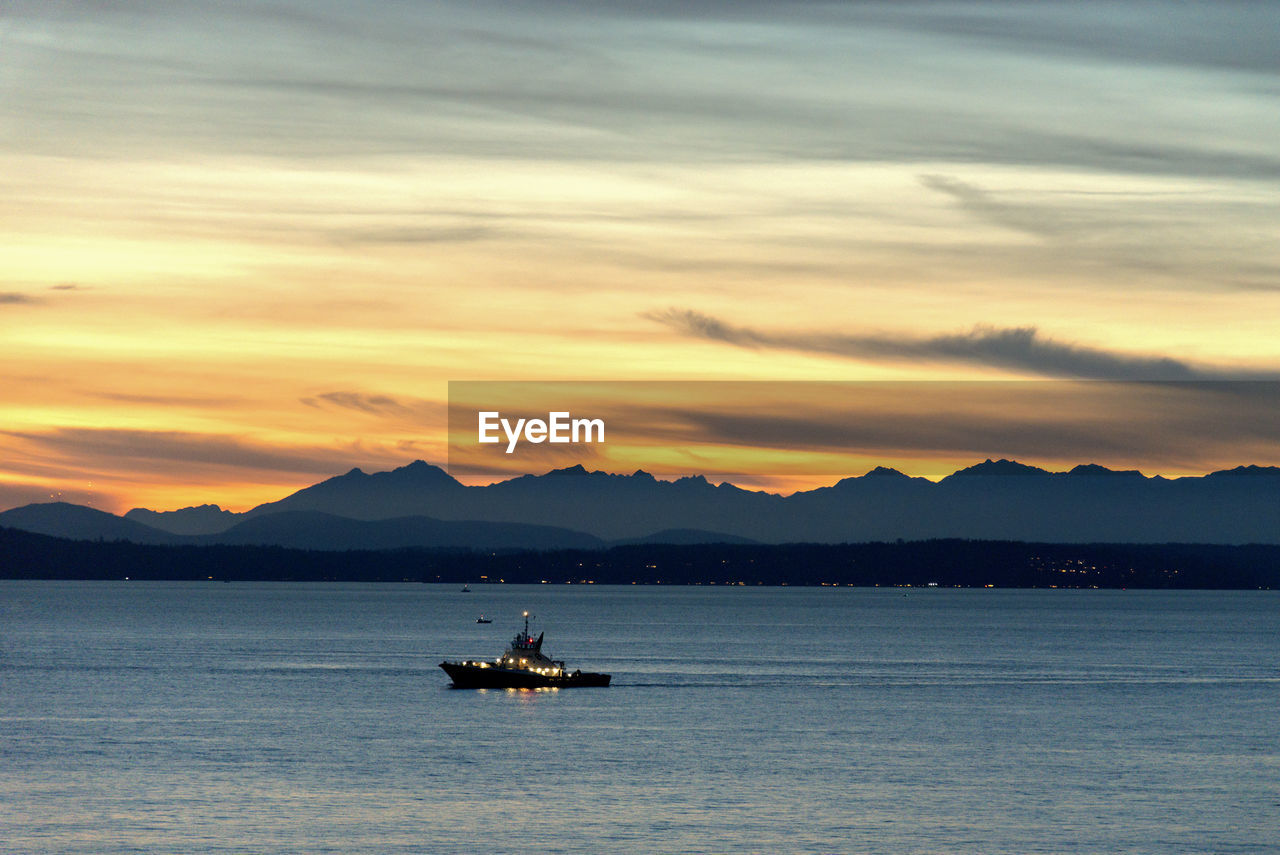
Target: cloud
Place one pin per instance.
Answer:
(377, 405)
(1232, 36)
(1125, 423)
(886, 435)
(157, 451)
(773, 427)
(982, 204)
(1167, 237)
(557, 80)
(1021, 349)
(13, 298)
(412, 234)
(165, 400)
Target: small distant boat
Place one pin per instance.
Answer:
(466, 589)
(483, 619)
(522, 666)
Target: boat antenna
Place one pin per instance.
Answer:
(526, 624)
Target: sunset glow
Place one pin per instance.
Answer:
(247, 246)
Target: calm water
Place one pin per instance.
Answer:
(287, 718)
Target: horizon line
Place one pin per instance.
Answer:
(887, 471)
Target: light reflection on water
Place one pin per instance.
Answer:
(310, 718)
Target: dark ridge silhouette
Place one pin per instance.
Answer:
(945, 563)
(302, 530)
(1096, 471)
(382, 495)
(62, 519)
(205, 519)
(993, 500)
(684, 537)
(1005, 468)
(1247, 472)
(315, 530)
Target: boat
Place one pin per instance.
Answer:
(522, 666)
(466, 589)
(483, 619)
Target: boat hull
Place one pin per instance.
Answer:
(468, 676)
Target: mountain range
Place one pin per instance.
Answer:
(420, 505)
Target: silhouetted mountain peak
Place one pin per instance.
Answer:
(421, 504)
(880, 476)
(192, 509)
(885, 472)
(1093, 470)
(57, 508)
(201, 519)
(576, 469)
(417, 473)
(1000, 468)
(1247, 472)
(78, 522)
(361, 496)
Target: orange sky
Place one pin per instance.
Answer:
(247, 248)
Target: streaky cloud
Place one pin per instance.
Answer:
(1021, 349)
(14, 298)
(359, 401)
(560, 81)
(1136, 423)
(167, 400)
(982, 204)
(147, 450)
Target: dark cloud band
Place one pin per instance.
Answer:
(1019, 349)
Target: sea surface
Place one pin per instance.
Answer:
(147, 717)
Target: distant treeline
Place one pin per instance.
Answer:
(947, 563)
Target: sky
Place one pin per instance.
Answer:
(246, 246)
